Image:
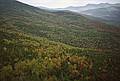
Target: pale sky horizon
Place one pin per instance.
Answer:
(65, 3)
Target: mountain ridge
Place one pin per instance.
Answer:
(109, 13)
(89, 6)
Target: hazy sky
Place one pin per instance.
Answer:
(65, 3)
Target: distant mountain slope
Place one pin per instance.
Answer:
(107, 12)
(90, 6)
(111, 14)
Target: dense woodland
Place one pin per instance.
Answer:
(38, 45)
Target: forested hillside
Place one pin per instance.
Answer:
(24, 58)
(67, 27)
(38, 45)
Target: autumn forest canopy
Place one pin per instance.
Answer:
(56, 45)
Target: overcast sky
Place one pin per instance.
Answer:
(65, 3)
